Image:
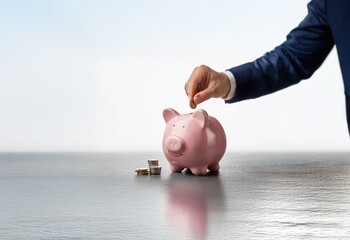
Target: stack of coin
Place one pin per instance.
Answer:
(155, 170)
(152, 163)
(142, 171)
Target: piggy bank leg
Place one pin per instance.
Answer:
(214, 167)
(199, 170)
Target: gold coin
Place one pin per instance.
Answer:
(142, 171)
(192, 104)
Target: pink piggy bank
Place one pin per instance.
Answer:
(195, 141)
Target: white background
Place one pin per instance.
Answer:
(96, 75)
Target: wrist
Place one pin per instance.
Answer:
(231, 86)
(226, 86)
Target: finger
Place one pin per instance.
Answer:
(191, 85)
(186, 89)
(195, 82)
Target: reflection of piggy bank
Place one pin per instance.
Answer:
(196, 141)
(192, 202)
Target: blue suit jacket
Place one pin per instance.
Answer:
(306, 47)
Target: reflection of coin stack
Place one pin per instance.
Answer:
(154, 167)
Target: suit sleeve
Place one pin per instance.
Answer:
(303, 52)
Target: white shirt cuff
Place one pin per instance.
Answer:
(232, 92)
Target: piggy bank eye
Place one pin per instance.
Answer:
(183, 126)
(173, 125)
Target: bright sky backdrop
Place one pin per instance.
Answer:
(83, 75)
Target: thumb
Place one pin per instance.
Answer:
(202, 96)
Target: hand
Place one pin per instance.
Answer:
(205, 83)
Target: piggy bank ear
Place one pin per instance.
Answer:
(169, 114)
(202, 117)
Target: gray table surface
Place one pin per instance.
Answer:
(99, 196)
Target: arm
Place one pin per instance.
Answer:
(296, 59)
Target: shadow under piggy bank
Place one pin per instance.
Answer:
(191, 201)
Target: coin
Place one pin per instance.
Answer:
(153, 162)
(142, 171)
(156, 170)
(192, 104)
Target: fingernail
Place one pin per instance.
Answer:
(196, 98)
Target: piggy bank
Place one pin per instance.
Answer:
(195, 141)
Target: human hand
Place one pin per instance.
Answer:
(205, 83)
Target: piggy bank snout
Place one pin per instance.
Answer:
(175, 144)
